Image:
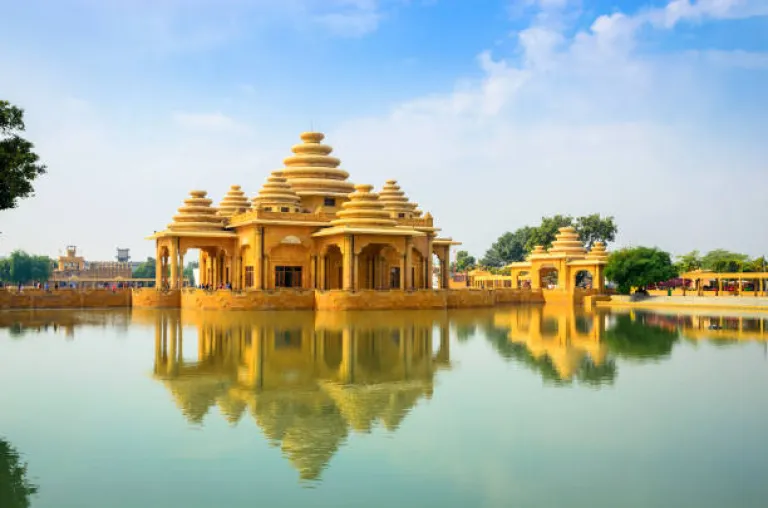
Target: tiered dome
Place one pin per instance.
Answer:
(568, 242)
(196, 214)
(363, 210)
(395, 201)
(276, 194)
(313, 172)
(598, 252)
(537, 251)
(234, 202)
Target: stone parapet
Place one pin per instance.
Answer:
(381, 300)
(248, 300)
(64, 299)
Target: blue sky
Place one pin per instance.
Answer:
(490, 113)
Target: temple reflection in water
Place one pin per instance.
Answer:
(307, 379)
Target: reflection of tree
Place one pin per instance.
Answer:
(465, 332)
(587, 372)
(639, 339)
(15, 488)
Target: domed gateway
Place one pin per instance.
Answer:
(308, 236)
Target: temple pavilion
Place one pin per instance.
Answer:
(308, 227)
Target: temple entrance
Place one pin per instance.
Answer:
(394, 277)
(373, 270)
(418, 269)
(437, 272)
(548, 277)
(332, 273)
(289, 264)
(288, 277)
(583, 279)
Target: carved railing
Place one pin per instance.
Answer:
(416, 223)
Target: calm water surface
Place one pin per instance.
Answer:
(523, 406)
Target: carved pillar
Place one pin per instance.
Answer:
(402, 272)
(408, 263)
(347, 283)
(181, 270)
(430, 257)
(321, 276)
(158, 267)
(258, 258)
(174, 263)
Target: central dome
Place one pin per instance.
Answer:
(312, 171)
(363, 210)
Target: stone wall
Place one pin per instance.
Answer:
(380, 300)
(248, 300)
(521, 296)
(151, 297)
(64, 299)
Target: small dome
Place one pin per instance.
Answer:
(568, 241)
(395, 201)
(363, 210)
(598, 252)
(276, 194)
(234, 202)
(312, 171)
(196, 214)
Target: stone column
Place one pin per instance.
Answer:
(174, 264)
(321, 270)
(446, 268)
(348, 282)
(430, 257)
(356, 272)
(408, 263)
(181, 270)
(158, 268)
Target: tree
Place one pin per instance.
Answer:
(146, 270)
(756, 265)
(189, 274)
(15, 487)
(18, 163)
(509, 247)
(638, 267)
(464, 261)
(593, 228)
(689, 262)
(20, 268)
(545, 234)
(721, 260)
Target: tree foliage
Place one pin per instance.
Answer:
(15, 487)
(21, 268)
(638, 267)
(721, 260)
(510, 247)
(545, 233)
(594, 228)
(145, 270)
(19, 164)
(689, 262)
(464, 261)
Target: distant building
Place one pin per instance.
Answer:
(71, 268)
(123, 255)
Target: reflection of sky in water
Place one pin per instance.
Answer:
(524, 407)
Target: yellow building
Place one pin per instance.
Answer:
(308, 228)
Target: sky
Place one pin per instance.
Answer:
(489, 113)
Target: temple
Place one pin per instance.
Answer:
(308, 228)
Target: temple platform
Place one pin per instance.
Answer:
(333, 300)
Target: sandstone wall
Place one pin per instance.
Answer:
(247, 300)
(380, 300)
(151, 297)
(64, 299)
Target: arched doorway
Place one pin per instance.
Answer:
(418, 269)
(289, 266)
(548, 277)
(332, 271)
(375, 267)
(583, 279)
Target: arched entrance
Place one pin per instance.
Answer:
(548, 277)
(378, 267)
(331, 269)
(582, 279)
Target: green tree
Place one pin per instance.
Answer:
(189, 274)
(689, 262)
(21, 268)
(19, 164)
(145, 270)
(509, 247)
(545, 233)
(721, 260)
(464, 261)
(15, 487)
(638, 267)
(594, 228)
(759, 264)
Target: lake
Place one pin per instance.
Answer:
(517, 406)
